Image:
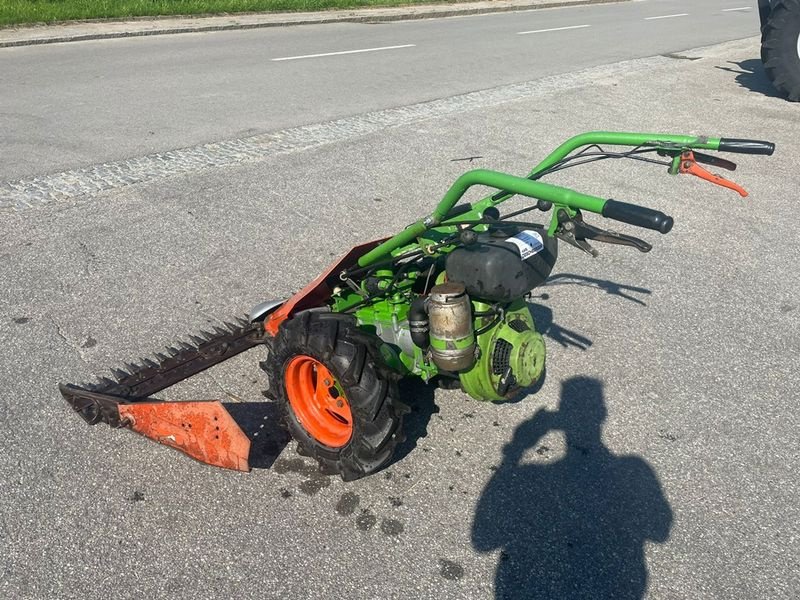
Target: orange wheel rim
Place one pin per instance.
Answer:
(318, 401)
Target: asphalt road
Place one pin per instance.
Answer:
(675, 472)
(66, 106)
(665, 464)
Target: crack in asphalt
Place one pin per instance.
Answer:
(231, 395)
(89, 259)
(72, 345)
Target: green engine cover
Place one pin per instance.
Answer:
(515, 343)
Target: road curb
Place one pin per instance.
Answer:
(359, 16)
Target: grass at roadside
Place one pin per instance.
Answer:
(15, 12)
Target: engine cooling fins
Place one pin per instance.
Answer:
(204, 430)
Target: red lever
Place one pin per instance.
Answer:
(689, 165)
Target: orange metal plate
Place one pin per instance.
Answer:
(204, 430)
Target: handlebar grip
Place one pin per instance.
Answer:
(746, 146)
(641, 216)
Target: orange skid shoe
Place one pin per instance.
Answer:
(204, 430)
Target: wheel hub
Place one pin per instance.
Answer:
(318, 401)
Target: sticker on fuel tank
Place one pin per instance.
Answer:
(529, 243)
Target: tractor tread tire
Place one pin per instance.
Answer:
(353, 357)
(779, 48)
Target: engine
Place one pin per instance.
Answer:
(478, 323)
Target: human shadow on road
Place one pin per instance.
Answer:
(750, 75)
(573, 527)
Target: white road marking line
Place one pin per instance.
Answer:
(343, 52)
(666, 17)
(553, 29)
(735, 9)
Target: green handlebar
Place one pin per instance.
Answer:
(536, 189)
(617, 138)
(500, 181)
(516, 185)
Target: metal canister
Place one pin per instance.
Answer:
(451, 333)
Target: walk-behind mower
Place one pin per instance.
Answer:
(445, 298)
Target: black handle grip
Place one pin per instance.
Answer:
(641, 216)
(746, 146)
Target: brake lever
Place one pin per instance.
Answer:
(567, 234)
(586, 231)
(576, 232)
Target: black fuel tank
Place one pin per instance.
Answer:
(504, 264)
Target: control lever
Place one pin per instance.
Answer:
(688, 164)
(576, 232)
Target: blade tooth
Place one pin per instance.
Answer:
(232, 327)
(173, 351)
(197, 341)
(186, 346)
(119, 374)
(133, 367)
(105, 382)
(220, 332)
(207, 335)
(161, 358)
(243, 321)
(149, 364)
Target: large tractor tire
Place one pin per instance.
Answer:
(780, 47)
(337, 399)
